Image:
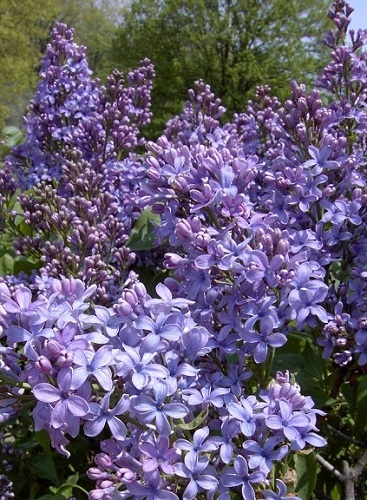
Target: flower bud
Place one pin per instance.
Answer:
(44, 365)
(103, 460)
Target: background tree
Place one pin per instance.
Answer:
(25, 29)
(234, 45)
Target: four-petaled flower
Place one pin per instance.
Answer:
(149, 409)
(103, 414)
(240, 475)
(63, 401)
(289, 422)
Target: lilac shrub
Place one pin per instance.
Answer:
(148, 374)
(79, 167)
(259, 226)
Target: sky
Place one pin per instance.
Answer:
(359, 16)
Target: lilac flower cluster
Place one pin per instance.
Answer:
(262, 226)
(80, 159)
(147, 372)
(6, 488)
(265, 217)
(71, 110)
(8, 456)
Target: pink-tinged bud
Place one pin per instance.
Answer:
(125, 475)
(130, 297)
(202, 240)
(44, 365)
(173, 261)
(275, 391)
(158, 208)
(103, 460)
(283, 247)
(288, 391)
(54, 348)
(183, 230)
(153, 163)
(72, 286)
(302, 105)
(283, 378)
(140, 290)
(269, 177)
(97, 494)
(163, 142)
(226, 155)
(153, 174)
(328, 191)
(106, 483)
(123, 308)
(96, 474)
(66, 359)
(180, 184)
(316, 106)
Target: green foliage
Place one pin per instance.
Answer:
(343, 398)
(306, 472)
(195, 423)
(11, 228)
(233, 45)
(24, 34)
(142, 236)
(38, 471)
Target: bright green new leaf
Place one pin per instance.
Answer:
(194, 423)
(142, 236)
(6, 265)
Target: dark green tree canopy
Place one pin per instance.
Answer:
(234, 45)
(25, 28)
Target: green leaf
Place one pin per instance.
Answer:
(6, 265)
(24, 228)
(66, 489)
(11, 136)
(43, 439)
(194, 423)
(291, 361)
(44, 467)
(50, 496)
(306, 470)
(73, 479)
(360, 424)
(24, 264)
(142, 236)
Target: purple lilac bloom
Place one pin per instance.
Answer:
(149, 409)
(229, 430)
(158, 454)
(153, 489)
(201, 476)
(280, 495)
(245, 415)
(287, 421)
(102, 414)
(263, 456)
(239, 475)
(93, 363)
(201, 443)
(64, 404)
(260, 226)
